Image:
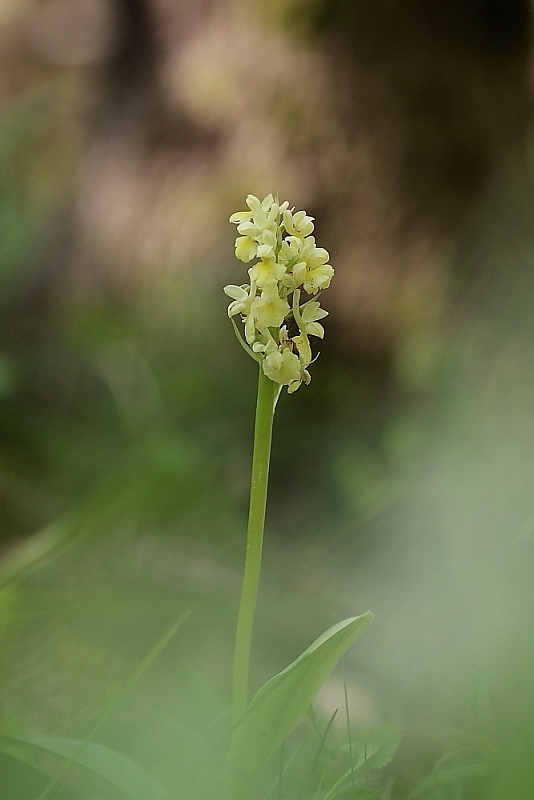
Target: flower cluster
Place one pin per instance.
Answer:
(276, 326)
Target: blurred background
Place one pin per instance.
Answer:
(402, 477)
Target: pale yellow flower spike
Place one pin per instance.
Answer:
(288, 261)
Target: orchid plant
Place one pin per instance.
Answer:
(276, 327)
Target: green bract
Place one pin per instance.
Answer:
(280, 238)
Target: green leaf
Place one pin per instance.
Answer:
(20, 780)
(117, 770)
(114, 768)
(445, 777)
(280, 703)
(377, 746)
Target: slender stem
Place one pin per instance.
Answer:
(263, 426)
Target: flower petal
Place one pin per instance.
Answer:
(245, 248)
(237, 292)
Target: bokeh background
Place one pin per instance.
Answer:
(402, 477)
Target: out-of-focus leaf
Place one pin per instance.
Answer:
(114, 768)
(20, 780)
(278, 706)
(376, 746)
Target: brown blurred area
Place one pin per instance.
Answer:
(385, 120)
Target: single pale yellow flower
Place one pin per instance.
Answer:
(318, 278)
(281, 366)
(298, 224)
(269, 309)
(242, 296)
(266, 271)
(309, 315)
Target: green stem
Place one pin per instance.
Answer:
(263, 426)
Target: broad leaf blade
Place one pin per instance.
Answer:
(280, 703)
(114, 768)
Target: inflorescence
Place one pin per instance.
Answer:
(270, 305)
